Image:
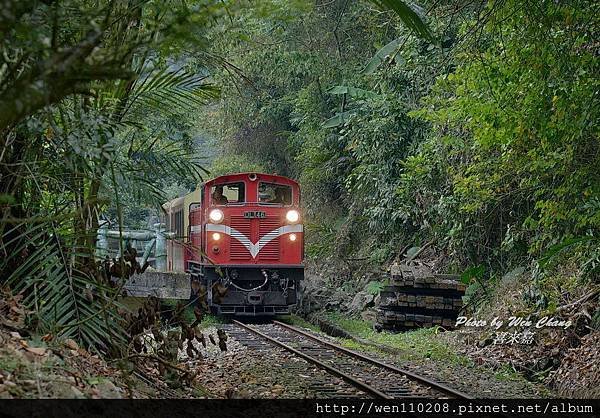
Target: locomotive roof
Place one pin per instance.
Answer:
(245, 176)
(178, 201)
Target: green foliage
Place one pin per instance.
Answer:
(409, 17)
(374, 287)
(352, 92)
(67, 302)
(298, 321)
(228, 164)
(569, 244)
(339, 119)
(485, 143)
(95, 119)
(6, 199)
(511, 134)
(413, 345)
(321, 240)
(595, 323)
(472, 273)
(169, 91)
(381, 256)
(384, 54)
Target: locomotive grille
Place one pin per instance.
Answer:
(271, 250)
(237, 251)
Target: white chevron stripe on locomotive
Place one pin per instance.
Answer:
(254, 248)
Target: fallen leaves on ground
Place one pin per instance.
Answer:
(579, 373)
(44, 367)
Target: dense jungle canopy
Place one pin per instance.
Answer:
(467, 125)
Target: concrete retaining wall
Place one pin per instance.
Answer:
(163, 285)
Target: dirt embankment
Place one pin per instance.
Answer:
(34, 366)
(46, 366)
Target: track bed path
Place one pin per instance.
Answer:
(320, 383)
(367, 377)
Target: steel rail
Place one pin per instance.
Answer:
(353, 381)
(436, 385)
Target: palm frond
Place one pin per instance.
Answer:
(170, 91)
(66, 302)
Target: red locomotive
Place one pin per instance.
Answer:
(245, 243)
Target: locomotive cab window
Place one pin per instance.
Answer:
(280, 194)
(223, 194)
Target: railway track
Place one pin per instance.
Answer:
(352, 374)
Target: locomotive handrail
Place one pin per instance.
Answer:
(249, 290)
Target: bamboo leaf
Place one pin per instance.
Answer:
(353, 92)
(408, 16)
(553, 251)
(382, 55)
(338, 119)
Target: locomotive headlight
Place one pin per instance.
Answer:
(293, 237)
(216, 236)
(216, 215)
(292, 216)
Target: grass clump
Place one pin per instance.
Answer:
(210, 320)
(297, 321)
(414, 345)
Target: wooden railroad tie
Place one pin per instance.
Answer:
(418, 298)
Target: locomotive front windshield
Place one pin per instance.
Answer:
(274, 193)
(223, 194)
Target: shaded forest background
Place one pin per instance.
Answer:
(481, 142)
(476, 134)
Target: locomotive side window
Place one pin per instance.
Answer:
(274, 193)
(178, 224)
(222, 194)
